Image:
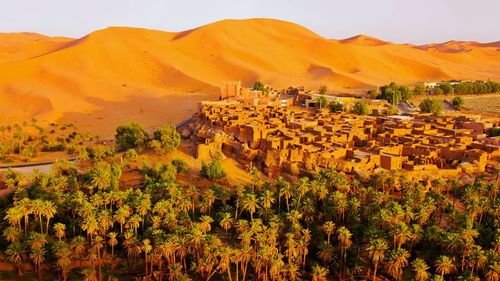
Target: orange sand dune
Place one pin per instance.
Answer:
(51, 78)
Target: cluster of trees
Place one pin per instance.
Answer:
(394, 93)
(259, 86)
(132, 135)
(434, 106)
(76, 224)
(463, 88)
(24, 142)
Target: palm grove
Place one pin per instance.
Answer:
(81, 223)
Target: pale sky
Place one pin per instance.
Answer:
(401, 21)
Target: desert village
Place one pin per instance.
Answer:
(280, 133)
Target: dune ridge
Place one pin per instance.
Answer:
(63, 75)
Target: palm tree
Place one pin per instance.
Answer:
(12, 234)
(445, 265)
(226, 221)
(26, 209)
(376, 251)
(250, 204)
(344, 237)
(121, 216)
(63, 254)
(78, 245)
(38, 206)
(398, 259)
(319, 273)
(37, 255)
(285, 190)
(49, 210)
(97, 245)
(59, 230)
(205, 224)
(14, 216)
(112, 242)
(325, 253)
(493, 272)
(89, 274)
(267, 200)
(146, 248)
(329, 229)
(16, 254)
(420, 268)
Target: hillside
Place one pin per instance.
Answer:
(50, 78)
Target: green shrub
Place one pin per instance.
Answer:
(166, 139)
(433, 106)
(130, 135)
(457, 101)
(212, 170)
(180, 165)
(360, 108)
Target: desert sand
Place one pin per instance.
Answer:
(119, 74)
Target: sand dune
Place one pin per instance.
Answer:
(48, 77)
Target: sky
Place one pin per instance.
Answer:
(400, 21)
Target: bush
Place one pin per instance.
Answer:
(166, 139)
(212, 170)
(180, 165)
(335, 106)
(130, 135)
(131, 154)
(360, 108)
(457, 101)
(392, 110)
(433, 106)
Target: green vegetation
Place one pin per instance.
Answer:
(81, 223)
(258, 86)
(392, 110)
(457, 102)
(495, 132)
(463, 88)
(166, 139)
(27, 141)
(335, 106)
(433, 106)
(130, 135)
(394, 93)
(360, 108)
(213, 170)
(321, 102)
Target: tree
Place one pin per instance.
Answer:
(59, 230)
(457, 102)
(258, 86)
(360, 108)
(321, 101)
(420, 268)
(319, 273)
(433, 106)
(37, 255)
(377, 250)
(445, 265)
(15, 253)
(167, 138)
(130, 135)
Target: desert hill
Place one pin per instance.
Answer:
(51, 77)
